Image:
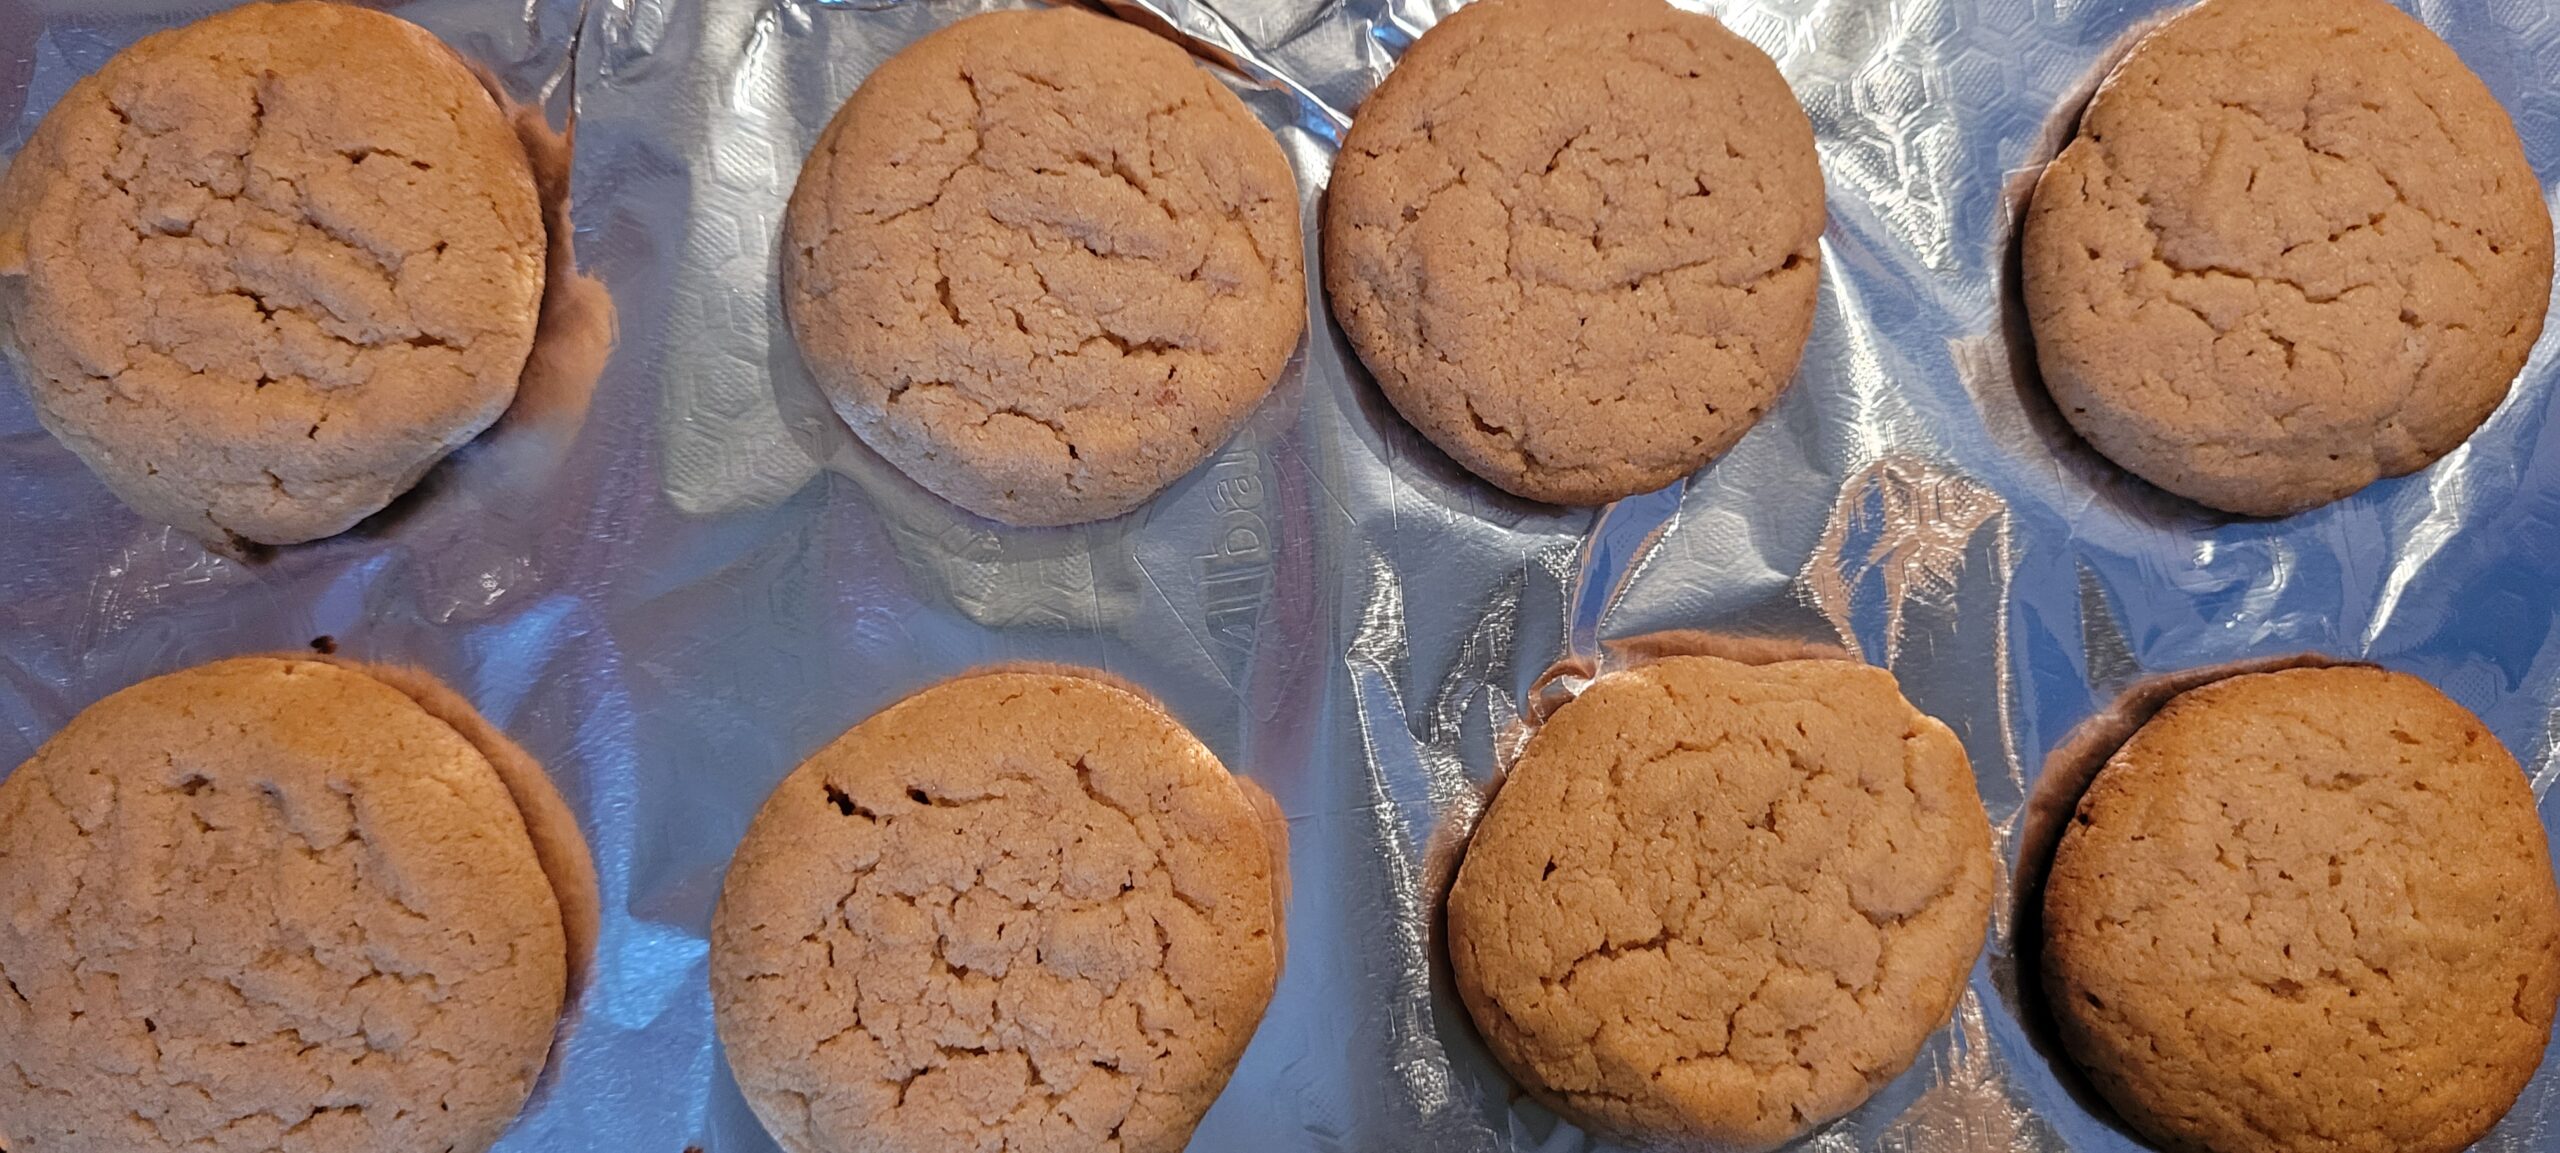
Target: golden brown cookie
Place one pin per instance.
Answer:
(2305, 911)
(1718, 904)
(267, 268)
(268, 904)
(1576, 241)
(1044, 264)
(1017, 910)
(2295, 248)
(558, 844)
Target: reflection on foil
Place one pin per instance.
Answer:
(1875, 85)
(2104, 651)
(2545, 761)
(1234, 574)
(1968, 1109)
(1204, 33)
(2447, 497)
(1614, 551)
(1900, 531)
(1411, 778)
(1564, 1138)
(1068, 579)
(522, 453)
(741, 425)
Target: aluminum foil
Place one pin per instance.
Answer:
(715, 578)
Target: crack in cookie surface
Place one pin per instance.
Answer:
(2307, 910)
(268, 905)
(1084, 245)
(2295, 248)
(1577, 243)
(1723, 903)
(271, 266)
(1016, 911)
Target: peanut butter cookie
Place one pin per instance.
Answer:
(1577, 241)
(268, 904)
(1721, 904)
(267, 268)
(1044, 264)
(2295, 248)
(2308, 911)
(1016, 910)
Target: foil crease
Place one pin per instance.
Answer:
(717, 579)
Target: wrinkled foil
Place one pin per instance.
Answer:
(717, 579)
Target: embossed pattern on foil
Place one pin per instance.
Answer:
(719, 579)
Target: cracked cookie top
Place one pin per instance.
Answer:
(2295, 248)
(1044, 264)
(1576, 242)
(1016, 910)
(2309, 910)
(268, 904)
(267, 268)
(1721, 904)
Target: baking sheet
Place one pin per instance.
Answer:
(717, 579)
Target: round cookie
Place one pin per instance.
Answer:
(1721, 904)
(268, 904)
(2295, 248)
(267, 268)
(1044, 264)
(1577, 242)
(1024, 910)
(2308, 910)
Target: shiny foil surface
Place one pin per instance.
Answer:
(673, 601)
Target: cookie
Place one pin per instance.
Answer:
(267, 268)
(1577, 242)
(2295, 248)
(1044, 264)
(1718, 904)
(1017, 910)
(2306, 910)
(558, 844)
(268, 904)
